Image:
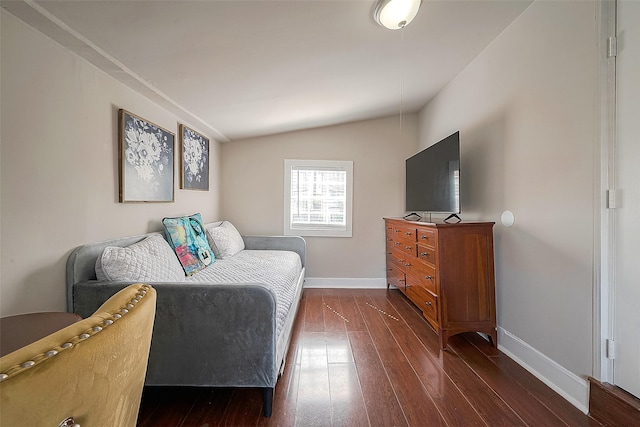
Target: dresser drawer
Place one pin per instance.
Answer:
(388, 231)
(427, 237)
(430, 307)
(395, 277)
(397, 258)
(422, 273)
(409, 248)
(425, 300)
(403, 232)
(427, 254)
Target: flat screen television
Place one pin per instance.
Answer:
(433, 178)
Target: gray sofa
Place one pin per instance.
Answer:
(214, 335)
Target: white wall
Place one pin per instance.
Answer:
(59, 175)
(525, 108)
(253, 194)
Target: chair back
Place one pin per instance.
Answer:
(92, 371)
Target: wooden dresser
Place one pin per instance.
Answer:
(447, 271)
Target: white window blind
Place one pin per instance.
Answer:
(318, 197)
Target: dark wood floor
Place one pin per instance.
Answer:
(368, 358)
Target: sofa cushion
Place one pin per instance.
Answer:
(149, 260)
(225, 240)
(187, 236)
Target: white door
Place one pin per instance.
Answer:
(626, 365)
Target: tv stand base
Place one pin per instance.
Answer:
(450, 218)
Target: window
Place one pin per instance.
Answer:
(317, 197)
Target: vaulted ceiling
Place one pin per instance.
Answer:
(237, 69)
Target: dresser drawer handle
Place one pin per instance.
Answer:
(388, 253)
(408, 233)
(396, 243)
(423, 254)
(424, 237)
(401, 280)
(400, 260)
(407, 265)
(428, 303)
(408, 247)
(396, 231)
(429, 277)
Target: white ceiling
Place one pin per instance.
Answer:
(236, 69)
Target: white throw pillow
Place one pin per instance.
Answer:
(225, 240)
(149, 260)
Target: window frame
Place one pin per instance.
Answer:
(316, 230)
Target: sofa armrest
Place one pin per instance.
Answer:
(277, 243)
(204, 334)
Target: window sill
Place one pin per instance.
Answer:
(317, 233)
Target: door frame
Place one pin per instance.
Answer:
(604, 223)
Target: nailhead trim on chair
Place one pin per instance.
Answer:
(16, 369)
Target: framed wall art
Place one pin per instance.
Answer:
(194, 160)
(146, 160)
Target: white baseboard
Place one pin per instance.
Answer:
(562, 381)
(347, 283)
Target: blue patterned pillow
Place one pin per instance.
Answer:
(187, 236)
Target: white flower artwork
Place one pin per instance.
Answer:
(147, 158)
(195, 160)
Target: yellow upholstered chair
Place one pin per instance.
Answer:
(92, 371)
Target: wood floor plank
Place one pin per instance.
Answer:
(385, 344)
(612, 405)
(338, 347)
(416, 403)
(172, 405)
(334, 321)
(379, 396)
(314, 313)
(351, 313)
(244, 409)
(149, 403)
(347, 401)
(314, 398)
(208, 408)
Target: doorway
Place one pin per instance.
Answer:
(625, 288)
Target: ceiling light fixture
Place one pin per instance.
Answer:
(395, 14)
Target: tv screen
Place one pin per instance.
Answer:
(433, 178)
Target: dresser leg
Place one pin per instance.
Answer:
(444, 338)
(494, 338)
